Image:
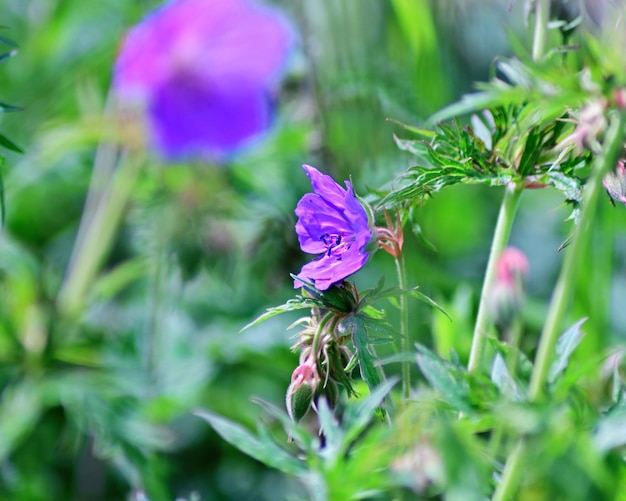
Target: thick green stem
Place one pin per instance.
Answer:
(500, 241)
(562, 295)
(404, 326)
(542, 16)
(569, 271)
(97, 233)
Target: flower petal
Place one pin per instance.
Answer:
(328, 270)
(326, 187)
(190, 117)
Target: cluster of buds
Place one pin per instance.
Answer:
(325, 365)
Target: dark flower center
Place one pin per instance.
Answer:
(335, 245)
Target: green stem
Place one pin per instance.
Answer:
(404, 326)
(562, 295)
(500, 240)
(542, 16)
(97, 233)
(571, 262)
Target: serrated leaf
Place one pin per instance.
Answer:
(260, 450)
(415, 147)
(565, 346)
(441, 375)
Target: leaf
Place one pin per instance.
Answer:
(8, 41)
(300, 435)
(9, 145)
(360, 338)
(263, 451)
(610, 431)
(421, 132)
(445, 378)
(4, 56)
(6, 107)
(330, 427)
(357, 416)
(291, 305)
(565, 346)
(415, 147)
(502, 378)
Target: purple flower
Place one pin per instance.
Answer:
(333, 223)
(205, 72)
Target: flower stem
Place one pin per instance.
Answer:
(405, 343)
(562, 294)
(542, 16)
(96, 235)
(569, 270)
(501, 234)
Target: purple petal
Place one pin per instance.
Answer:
(205, 71)
(326, 187)
(328, 270)
(317, 217)
(191, 117)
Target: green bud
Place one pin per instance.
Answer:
(330, 391)
(298, 400)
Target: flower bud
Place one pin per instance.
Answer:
(330, 391)
(615, 183)
(300, 392)
(298, 401)
(505, 296)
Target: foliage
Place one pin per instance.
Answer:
(125, 370)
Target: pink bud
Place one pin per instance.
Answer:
(512, 265)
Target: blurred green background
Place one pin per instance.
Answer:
(95, 410)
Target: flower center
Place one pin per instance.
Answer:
(335, 244)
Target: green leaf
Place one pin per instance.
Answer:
(502, 378)
(421, 132)
(358, 414)
(300, 435)
(565, 346)
(261, 450)
(8, 41)
(9, 145)
(6, 107)
(445, 378)
(4, 56)
(335, 438)
(357, 326)
(291, 305)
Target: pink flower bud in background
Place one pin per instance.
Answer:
(506, 294)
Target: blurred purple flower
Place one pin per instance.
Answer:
(333, 223)
(205, 72)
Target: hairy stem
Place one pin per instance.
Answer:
(500, 240)
(405, 342)
(562, 294)
(97, 233)
(542, 16)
